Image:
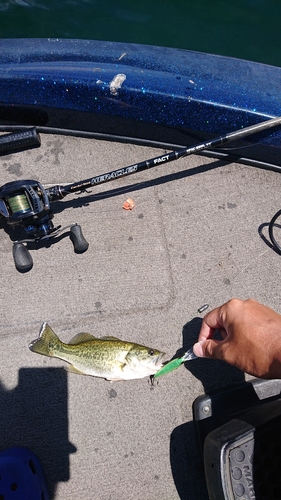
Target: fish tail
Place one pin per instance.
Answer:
(47, 342)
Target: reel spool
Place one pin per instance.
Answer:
(27, 204)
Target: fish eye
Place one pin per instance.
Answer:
(151, 352)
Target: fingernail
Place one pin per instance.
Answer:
(197, 349)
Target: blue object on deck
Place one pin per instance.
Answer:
(21, 476)
(129, 92)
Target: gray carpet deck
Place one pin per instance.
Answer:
(194, 237)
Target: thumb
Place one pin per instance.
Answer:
(209, 348)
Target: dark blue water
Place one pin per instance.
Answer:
(248, 29)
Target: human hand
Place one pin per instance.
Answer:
(250, 337)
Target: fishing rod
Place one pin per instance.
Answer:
(58, 192)
(27, 204)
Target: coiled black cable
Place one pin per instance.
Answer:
(276, 246)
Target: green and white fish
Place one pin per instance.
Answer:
(106, 357)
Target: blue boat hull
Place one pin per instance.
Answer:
(139, 93)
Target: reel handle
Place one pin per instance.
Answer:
(78, 240)
(22, 258)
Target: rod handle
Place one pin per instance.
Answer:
(18, 141)
(78, 240)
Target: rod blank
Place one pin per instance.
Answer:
(58, 192)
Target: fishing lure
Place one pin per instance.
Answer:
(175, 363)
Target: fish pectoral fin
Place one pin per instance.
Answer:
(119, 367)
(81, 337)
(72, 369)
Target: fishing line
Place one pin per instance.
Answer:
(18, 203)
(247, 146)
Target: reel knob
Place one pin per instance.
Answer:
(22, 258)
(78, 240)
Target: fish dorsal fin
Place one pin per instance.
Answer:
(81, 337)
(109, 337)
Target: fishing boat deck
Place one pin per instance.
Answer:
(197, 234)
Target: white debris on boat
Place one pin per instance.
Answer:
(116, 83)
(122, 55)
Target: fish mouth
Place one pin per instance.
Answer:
(159, 360)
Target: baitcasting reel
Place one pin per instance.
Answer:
(26, 204)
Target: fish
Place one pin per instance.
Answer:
(106, 357)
